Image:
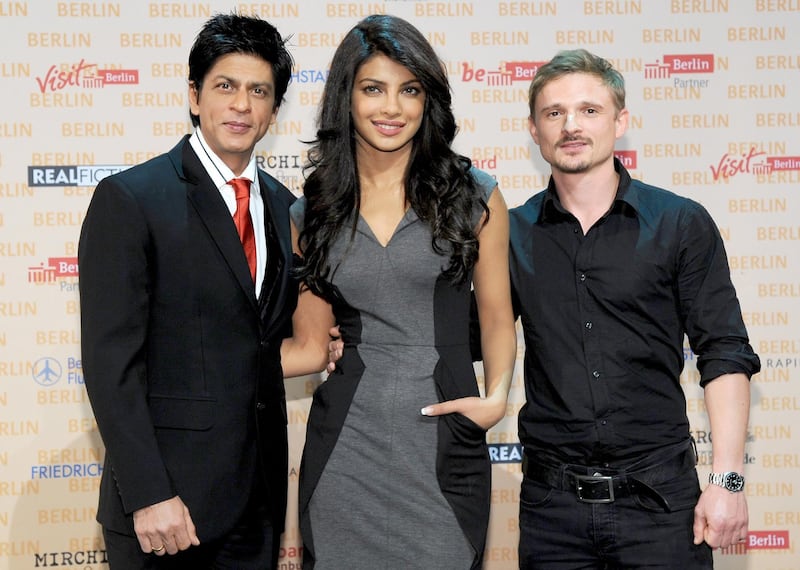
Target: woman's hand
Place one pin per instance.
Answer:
(485, 412)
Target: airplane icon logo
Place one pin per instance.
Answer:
(47, 371)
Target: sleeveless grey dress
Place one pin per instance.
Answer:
(378, 502)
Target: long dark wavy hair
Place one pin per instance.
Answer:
(438, 183)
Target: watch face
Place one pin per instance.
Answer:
(733, 482)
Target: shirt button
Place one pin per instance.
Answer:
(589, 325)
(596, 374)
(604, 422)
(260, 406)
(583, 277)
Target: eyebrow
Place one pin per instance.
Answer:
(379, 82)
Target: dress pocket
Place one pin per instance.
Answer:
(464, 429)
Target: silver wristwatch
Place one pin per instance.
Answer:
(729, 480)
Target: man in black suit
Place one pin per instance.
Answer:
(186, 298)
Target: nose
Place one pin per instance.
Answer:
(391, 104)
(570, 124)
(241, 101)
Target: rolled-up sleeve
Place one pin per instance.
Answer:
(709, 306)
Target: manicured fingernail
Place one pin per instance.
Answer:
(425, 411)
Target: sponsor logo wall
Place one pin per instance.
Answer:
(91, 88)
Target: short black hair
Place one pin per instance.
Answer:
(224, 34)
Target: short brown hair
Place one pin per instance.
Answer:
(578, 61)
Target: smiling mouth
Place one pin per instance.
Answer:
(388, 128)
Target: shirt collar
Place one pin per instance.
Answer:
(627, 193)
(218, 171)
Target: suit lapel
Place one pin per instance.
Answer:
(213, 213)
(276, 279)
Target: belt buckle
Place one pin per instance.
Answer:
(594, 488)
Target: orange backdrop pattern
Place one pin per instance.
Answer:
(92, 87)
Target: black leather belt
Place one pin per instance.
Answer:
(604, 485)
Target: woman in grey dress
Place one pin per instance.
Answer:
(395, 470)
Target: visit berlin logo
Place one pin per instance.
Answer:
(84, 75)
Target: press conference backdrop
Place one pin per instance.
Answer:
(91, 88)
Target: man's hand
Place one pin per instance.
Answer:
(720, 518)
(165, 528)
(485, 412)
(335, 347)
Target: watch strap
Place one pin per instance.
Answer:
(729, 480)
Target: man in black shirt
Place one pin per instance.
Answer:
(608, 275)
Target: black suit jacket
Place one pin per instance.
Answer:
(181, 360)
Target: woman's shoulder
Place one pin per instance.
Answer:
(298, 212)
(485, 181)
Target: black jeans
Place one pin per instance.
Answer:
(559, 532)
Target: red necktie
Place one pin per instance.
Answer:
(244, 223)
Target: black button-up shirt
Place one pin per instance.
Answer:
(604, 317)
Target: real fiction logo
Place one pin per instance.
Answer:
(72, 175)
(505, 452)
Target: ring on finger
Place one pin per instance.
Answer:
(159, 549)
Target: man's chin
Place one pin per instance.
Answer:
(573, 167)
